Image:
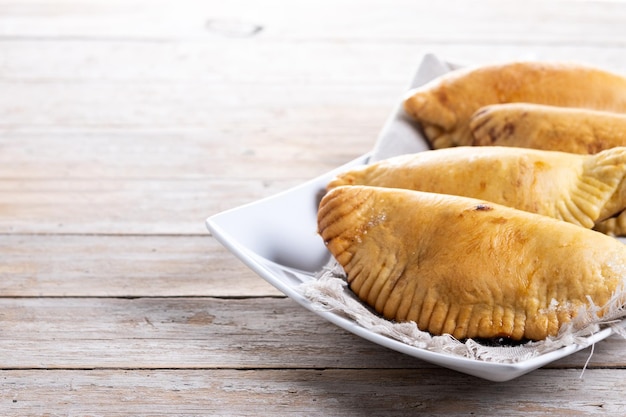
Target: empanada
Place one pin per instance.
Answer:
(467, 267)
(444, 106)
(580, 189)
(554, 128)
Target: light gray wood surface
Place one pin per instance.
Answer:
(124, 124)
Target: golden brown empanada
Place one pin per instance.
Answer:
(554, 128)
(580, 189)
(444, 106)
(467, 267)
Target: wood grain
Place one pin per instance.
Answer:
(374, 20)
(122, 206)
(125, 123)
(76, 333)
(123, 266)
(176, 333)
(228, 392)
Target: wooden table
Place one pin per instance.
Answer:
(124, 124)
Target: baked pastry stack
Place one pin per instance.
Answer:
(541, 105)
(492, 241)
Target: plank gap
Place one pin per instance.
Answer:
(141, 297)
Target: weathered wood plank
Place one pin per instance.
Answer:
(276, 94)
(123, 266)
(452, 21)
(199, 333)
(32, 156)
(289, 66)
(177, 104)
(124, 206)
(433, 392)
(178, 333)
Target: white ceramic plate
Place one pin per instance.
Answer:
(277, 238)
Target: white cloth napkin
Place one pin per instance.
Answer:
(400, 134)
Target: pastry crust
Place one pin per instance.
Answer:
(615, 226)
(581, 189)
(467, 267)
(444, 106)
(555, 128)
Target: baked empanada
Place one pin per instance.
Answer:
(467, 267)
(554, 128)
(444, 106)
(580, 189)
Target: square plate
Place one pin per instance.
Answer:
(277, 238)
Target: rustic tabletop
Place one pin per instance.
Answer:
(124, 124)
